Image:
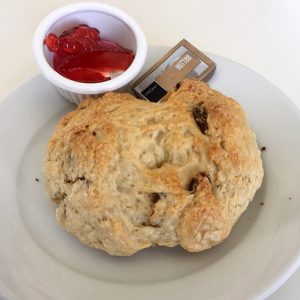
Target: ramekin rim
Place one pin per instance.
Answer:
(89, 88)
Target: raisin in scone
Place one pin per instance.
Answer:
(129, 174)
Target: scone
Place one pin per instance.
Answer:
(129, 174)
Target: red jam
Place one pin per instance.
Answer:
(80, 55)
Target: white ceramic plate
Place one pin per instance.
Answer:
(39, 260)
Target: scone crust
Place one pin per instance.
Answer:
(129, 174)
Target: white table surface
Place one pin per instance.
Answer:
(263, 35)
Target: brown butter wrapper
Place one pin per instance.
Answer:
(180, 69)
(183, 60)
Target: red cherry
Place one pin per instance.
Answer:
(51, 42)
(84, 75)
(105, 61)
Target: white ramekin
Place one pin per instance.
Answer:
(114, 25)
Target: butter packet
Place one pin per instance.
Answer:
(183, 60)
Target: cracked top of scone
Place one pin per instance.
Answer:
(129, 174)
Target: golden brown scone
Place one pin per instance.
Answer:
(128, 174)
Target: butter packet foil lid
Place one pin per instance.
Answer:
(183, 60)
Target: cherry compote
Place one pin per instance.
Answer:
(81, 55)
